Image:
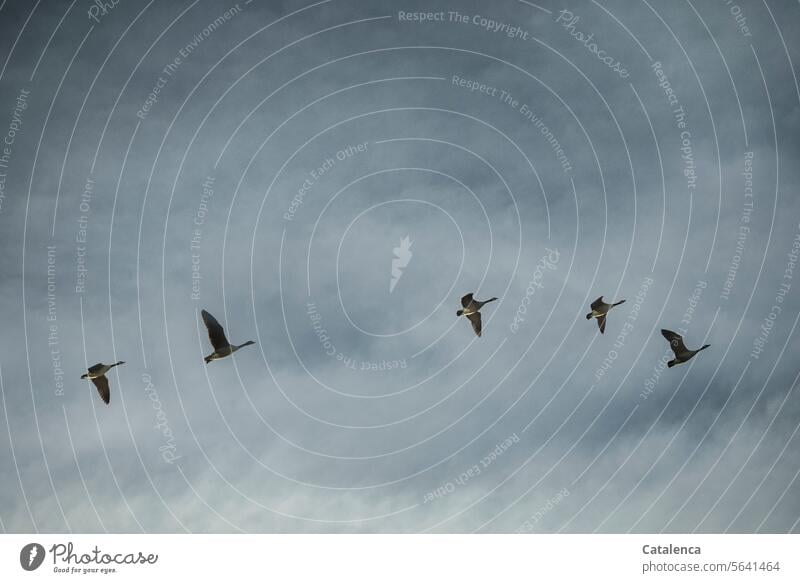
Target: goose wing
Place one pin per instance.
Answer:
(598, 303)
(675, 341)
(96, 368)
(101, 383)
(601, 322)
(475, 319)
(466, 300)
(215, 332)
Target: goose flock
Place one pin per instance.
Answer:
(470, 310)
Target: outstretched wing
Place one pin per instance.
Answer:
(675, 341)
(215, 332)
(466, 300)
(102, 387)
(96, 368)
(475, 319)
(598, 303)
(601, 322)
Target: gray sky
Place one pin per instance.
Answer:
(263, 161)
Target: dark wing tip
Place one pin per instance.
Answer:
(475, 320)
(103, 389)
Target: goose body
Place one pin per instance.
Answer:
(216, 334)
(471, 309)
(97, 374)
(599, 311)
(682, 354)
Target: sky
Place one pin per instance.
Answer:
(328, 179)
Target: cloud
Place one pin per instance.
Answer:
(363, 411)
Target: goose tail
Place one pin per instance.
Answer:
(460, 312)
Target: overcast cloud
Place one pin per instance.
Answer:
(263, 160)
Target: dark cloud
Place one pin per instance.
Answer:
(281, 152)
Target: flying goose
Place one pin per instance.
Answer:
(97, 374)
(470, 310)
(682, 354)
(599, 311)
(216, 334)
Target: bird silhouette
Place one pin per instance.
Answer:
(97, 374)
(682, 354)
(600, 310)
(471, 311)
(216, 334)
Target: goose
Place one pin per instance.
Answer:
(471, 311)
(216, 334)
(97, 374)
(682, 354)
(599, 311)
